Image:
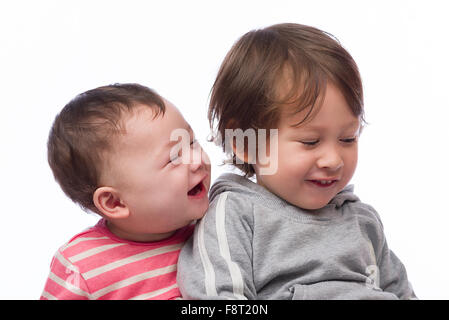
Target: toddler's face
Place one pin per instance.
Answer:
(316, 159)
(161, 195)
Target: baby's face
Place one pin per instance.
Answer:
(317, 159)
(162, 195)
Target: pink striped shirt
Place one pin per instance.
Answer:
(96, 264)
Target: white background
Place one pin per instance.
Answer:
(52, 50)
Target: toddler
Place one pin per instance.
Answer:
(299, 231)
(114, 151)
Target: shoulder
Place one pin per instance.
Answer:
(348, 200)
(232, 193)
(86, 242)
(230, 206)
(368, 221)
(228, 220)
(367, 212)
(91, 233)
(67, 260)
(242, 192)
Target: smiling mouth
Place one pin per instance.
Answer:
(323, 183)
(197, 190)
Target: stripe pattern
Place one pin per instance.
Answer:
(96, 264)
(233, 268)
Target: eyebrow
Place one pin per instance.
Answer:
(318, 127)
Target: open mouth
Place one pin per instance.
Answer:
(323, 183)
(197, 191)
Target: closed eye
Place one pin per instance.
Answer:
(349, 140)
(175, 158)
(310, 143)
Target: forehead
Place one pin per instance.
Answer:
(330, 109)
(295, 91)
(146, 132)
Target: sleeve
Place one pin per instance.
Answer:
(64, 282)
(392, 275)
(216, 263)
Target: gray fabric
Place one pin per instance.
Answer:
(253, 244)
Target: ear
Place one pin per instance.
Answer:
(108, 202)
(242, 154)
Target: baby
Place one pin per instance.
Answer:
(127, 154)
(299, 231)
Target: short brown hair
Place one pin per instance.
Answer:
(82, 132)
(246, 91)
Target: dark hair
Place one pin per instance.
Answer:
(82, 132)
(246, 91)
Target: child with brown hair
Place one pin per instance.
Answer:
(115, 151)
(299, 232)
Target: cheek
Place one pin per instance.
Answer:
(161, 187)
(354, 155)
(176, 182)
(296, 162)
(291, 172)
(350, 161)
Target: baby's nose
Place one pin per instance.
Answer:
(197, 158)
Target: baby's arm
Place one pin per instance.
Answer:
(64, 282)
(216, 263)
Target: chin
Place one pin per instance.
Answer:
(313, 206)
(198, 214)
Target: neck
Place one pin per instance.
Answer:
(137, 237)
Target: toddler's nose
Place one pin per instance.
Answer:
(330, 159)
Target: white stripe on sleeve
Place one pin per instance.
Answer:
(209, 273)
(234, 270)
(94, 251)
(137, 257)
(155, 293)
(69, 286)
(134, 279)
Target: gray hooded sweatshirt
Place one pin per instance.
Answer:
(251, 244)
